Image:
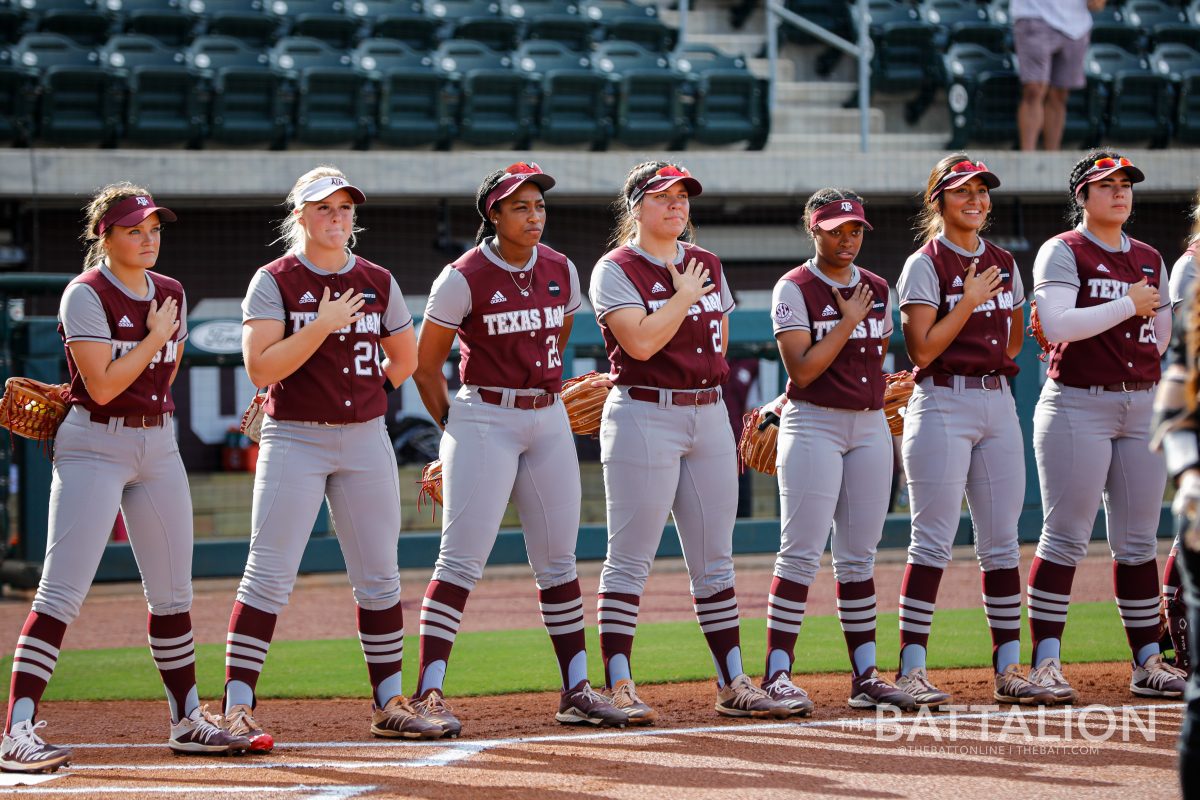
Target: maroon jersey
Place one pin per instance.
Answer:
(150, 393)
(693, 358)
(981, 347)
(1124, 352)
(510, 340)
(342, 381)
(854, 380)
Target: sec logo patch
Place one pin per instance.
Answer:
(554, 289)
(783, 312)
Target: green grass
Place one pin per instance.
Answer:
(499, 662)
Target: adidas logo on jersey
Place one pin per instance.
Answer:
(657, 288)
(957, 281)
(829, 311)
(124, 323)
(1101, 268)
(498, 298)
(307, 297)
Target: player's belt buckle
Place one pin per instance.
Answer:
(1125, 387)
(544, 400)
(990, 382)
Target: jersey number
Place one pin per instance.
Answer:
(1146, 333)
(553, 358)
(715, 325)
(366, 360)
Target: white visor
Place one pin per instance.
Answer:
(323, 187)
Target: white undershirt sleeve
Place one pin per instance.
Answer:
(1063, 322)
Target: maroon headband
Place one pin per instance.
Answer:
(131, 211)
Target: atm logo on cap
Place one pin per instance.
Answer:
(143, 201)
(847, 207)
(337, 181)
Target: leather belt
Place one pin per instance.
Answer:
(703, 397)
(988, 382)
(134, 421)
(1123, 386)
(522, 401)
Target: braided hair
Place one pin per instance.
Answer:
(490, 182)
(1082, 167)
(823, 197)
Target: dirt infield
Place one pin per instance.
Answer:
(512, 748)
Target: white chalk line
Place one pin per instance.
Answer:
(310, 792)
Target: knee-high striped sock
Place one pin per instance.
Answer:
(33, 664)
(174, 653)
(1049, 597)
(856, 613)
(1002, 604)
(617, 615)
(441, 614)
(381, 634)
(718, 618)
(1136, 588)
(918, 599)
(246, 646)
(562, 614)
(785, 615)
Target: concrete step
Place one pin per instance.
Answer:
(785, 70)
(810, 120)
(814, 93)
(791, 143)
(714, 20)
(746, 44)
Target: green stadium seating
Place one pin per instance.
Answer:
(575, 100)
(906, 58)
(1181, 65)
(730, 103)
(249, 102)
(399, 20)
(551, 20)
(78, 103)
(169, 21)
(982, 92)
(332, 106)
(1138, 100)
(165, 99)
(241, 19)
(627, 21)
(650, 95)
(83, 21)
(832, 16)
(12, 24)
(412, 106)
(18, 96)
(1111, 25)
(1163, 23)
(320, 19)
(495, 102)
(964, 22)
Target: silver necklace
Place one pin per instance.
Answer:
(525, 273)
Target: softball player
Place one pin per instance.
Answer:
(832, 320)
(961, 303)
(123, 327)
(665, 441)
(314, 323)
(1098, 298)
(511, 301)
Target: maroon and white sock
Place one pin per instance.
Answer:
(718, 618)
(246, 646)
(441, 614)
(918, 599)
(381, 634)
(174, 652)
(1002, 604)
(562, 614)
(617, 615)
(1049, 597)
(33, 664)
(785, 616)
(856, 613)
(1136, 588)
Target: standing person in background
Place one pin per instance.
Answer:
(1098, 299)
(506, 434)
(123, 327)
(832, 321)
(743, 372)
(665, 441)
(961, 308)
(326, 332)
(1051, 39)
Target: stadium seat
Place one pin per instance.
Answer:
(730, 103)
(18, 96)
(495, 102)
(320, 19)
(906, 58)
(1111, 26)
(575, 100)
(964, 22)
(12, 24)
(1165, 23)
(551, 20)
(169, 21)
(998, 12)
(1180, 64)
(83, 21)
(164, 104)
(983, 92)
(650, 95)
(78, 103)
(241, 19)
(1138, 100)
(249, 101)
(400, 20)
(412, 106)
(627, 21)
(332, 106)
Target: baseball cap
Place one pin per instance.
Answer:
(962, 172)
(839, 212)
(662, 179)
(1103, 167)
(132, 211)
(323, 187)
(515, 176)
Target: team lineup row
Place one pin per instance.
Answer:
(328, 334)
